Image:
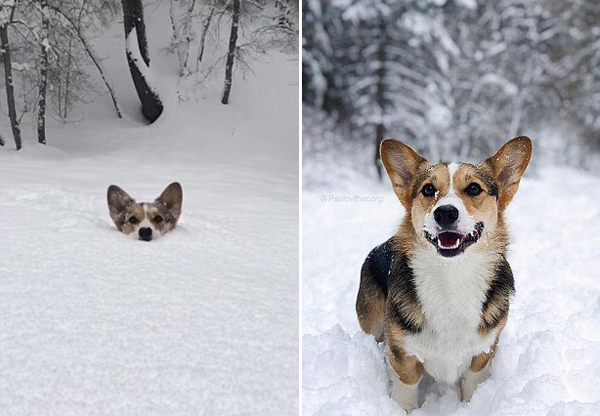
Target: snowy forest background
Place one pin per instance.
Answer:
(453, 78)
(51, 63)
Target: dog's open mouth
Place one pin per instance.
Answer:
(452, 243)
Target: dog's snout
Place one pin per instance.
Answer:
(145, 233)
(446, 215)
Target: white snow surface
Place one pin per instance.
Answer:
(548, 360)
(202, 321)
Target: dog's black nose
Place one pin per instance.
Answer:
(445, 215)
(145, 233)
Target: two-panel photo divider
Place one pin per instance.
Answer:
(285, 207)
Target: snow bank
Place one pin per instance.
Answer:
(348, 371)
(548, 360)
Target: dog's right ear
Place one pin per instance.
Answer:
(172, 198)
(401, 163)
(119, 202)
(509, 164)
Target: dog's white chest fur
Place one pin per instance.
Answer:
(451, 292)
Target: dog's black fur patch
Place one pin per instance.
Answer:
(405, 306)
(497, 296)
(391, 269)
(379, 263)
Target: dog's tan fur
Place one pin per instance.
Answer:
(408, 367)
(370, 308)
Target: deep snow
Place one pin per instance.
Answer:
(548, 361)
(202, 321)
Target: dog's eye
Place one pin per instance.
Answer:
(428, 190)
(133, 220)
(473, 189)
(158, 219)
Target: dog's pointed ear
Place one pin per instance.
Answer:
(172, 198)
(401, 164)
(509, 164)
(119, 202)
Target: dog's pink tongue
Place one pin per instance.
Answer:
(449, 239)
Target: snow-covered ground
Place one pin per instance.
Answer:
(203, 321)
(548, 361)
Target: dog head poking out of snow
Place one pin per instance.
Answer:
(143, 220)
(453, 205)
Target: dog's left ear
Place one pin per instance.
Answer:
(172, 198)
(119, 202)
(401, 163)
(509, 164)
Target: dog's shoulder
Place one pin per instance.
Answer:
(378, 264)
(497, 298)
(389, 268)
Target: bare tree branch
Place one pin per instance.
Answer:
(92, 56)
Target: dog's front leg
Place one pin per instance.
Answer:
(470, 380)
(405, 372)
(476, 373)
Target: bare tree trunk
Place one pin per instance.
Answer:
(188, 36)
(133, 19)
(379, 136)
(67, 80)
(380, 95)
(177, 29)
(203, 36)
(231, 54)
(41, 124)
(182, 32)
(10, 92)
(68, 77)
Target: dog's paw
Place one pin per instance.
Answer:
(469, 383)
(466, 390)
(409, 408)
(407, 396)
(408, 405)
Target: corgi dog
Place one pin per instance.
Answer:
(145, 220)
(438, 291)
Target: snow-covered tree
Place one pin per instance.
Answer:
(47, 56)
(138, 58)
